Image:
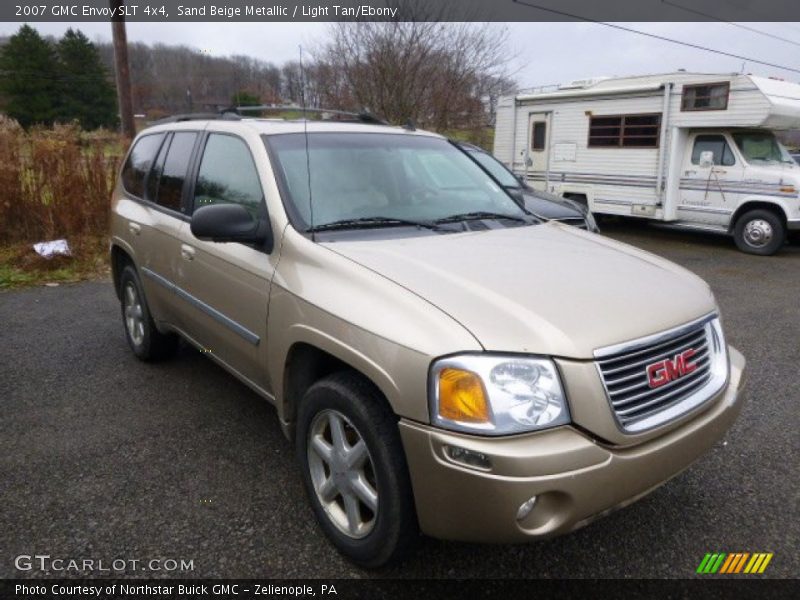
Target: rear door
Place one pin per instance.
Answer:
(225, 286)
(538, 149)
(165, 191)
(154, 226)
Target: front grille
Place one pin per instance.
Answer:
(637, 402)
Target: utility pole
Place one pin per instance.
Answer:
(121, 69)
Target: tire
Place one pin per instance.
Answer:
(147, 342)
(369, 537)
(759, 232)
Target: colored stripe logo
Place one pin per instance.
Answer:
(734, 563)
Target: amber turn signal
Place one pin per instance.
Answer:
(462, 397)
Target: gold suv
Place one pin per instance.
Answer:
(444, 361)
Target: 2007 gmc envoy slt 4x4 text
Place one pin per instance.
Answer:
(444, 361)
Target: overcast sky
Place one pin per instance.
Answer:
(544, 53)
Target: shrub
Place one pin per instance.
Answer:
(55, 183)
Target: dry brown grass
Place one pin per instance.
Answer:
(54, 183)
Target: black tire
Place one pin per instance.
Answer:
(146, 341)
(759, 231)
(394, 531)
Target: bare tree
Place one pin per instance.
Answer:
(442, 75)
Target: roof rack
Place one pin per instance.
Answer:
(225, 114)
(234, 113)
(363, 116)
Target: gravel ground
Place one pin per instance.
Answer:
(104, 457)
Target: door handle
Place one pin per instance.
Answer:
(187, 252)
(134, 228)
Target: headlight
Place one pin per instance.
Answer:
(496, 395)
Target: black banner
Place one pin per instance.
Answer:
(177, 11)
(375, 589)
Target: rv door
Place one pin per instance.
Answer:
(538, 153)
(711, 174)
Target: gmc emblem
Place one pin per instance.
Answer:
(662, 372)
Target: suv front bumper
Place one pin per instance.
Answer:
(575, 479)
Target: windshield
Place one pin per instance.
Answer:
(496, 168)
(363, 176)
(761, 146)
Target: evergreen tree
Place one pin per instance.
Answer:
(87, 93)
(29, 78)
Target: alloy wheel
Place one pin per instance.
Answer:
(134, 314)
(343, 473)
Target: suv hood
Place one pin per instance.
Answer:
(545, 289)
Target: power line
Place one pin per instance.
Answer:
(739, 25)
(654, 36)
(767, 17)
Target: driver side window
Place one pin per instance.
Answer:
(228, 175)
(723, 155)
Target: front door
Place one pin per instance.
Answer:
(537, 150)
(226, 285)
(707, 190)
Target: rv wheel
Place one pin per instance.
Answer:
(759, 232)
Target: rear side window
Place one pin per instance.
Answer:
(139, 162)
(624, 131)
(715, 144)
(228, 175)
(168, 176)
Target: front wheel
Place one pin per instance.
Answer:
(354, 470)
(759, 232)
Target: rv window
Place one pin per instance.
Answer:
(626, 131)
(716, 144)
(712, 96)
(538, 137)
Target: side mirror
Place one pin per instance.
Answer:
(706, 159)
(230, 223)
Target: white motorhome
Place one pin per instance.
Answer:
(694, 150)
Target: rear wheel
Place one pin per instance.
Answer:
(760, 232)
(354, 470)
(146, 341)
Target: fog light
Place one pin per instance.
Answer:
(469, 458)
(526, 508)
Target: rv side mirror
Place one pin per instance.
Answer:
(707, 159)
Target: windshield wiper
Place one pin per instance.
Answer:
(371, 222)
(477, 215)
